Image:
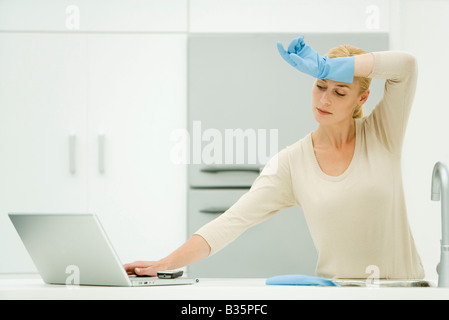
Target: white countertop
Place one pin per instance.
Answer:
(209, 289)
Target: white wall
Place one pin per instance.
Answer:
(418, 26)
(424, 30)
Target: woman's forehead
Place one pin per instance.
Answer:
(337, 84)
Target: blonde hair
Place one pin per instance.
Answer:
(347, 50)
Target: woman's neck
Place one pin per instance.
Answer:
(335, 135)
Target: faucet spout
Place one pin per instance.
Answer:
(440, 190)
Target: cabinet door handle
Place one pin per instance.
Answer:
(218, 169)
(214, 210)
(101, 146)
(72, 155)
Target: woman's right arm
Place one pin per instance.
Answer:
(270, 192)
(194, 249)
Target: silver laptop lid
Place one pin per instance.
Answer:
(67, 248)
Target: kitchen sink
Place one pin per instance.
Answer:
(385, 283)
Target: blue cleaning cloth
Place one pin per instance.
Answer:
(300, 280)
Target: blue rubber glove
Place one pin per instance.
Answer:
(305, 59)
(300, 280)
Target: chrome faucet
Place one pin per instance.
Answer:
(440, 189)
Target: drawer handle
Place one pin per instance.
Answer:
(101, 146)
(214, 210)
(72, 153)
(217, 169)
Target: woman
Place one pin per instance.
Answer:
(346, 175)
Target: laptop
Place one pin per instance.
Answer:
(74, 249)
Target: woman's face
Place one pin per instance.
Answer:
(334, 102)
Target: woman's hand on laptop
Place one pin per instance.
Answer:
(194, 249)
(144, 268)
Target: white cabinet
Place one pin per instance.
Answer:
(136, 99)
(285, 16)
(85, 123)
(94, 16)
(42, 103)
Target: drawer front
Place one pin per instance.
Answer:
(279, 245)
